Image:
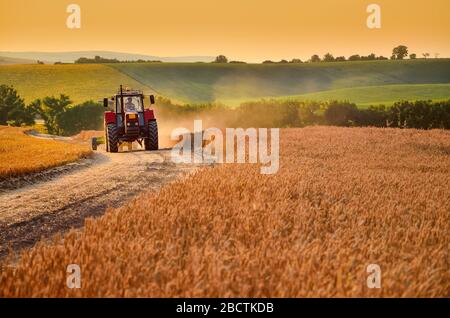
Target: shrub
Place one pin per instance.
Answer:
(341, 113)
(86, 116)
(375, 116)
(420, 114)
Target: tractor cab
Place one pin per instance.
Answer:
(129, 121)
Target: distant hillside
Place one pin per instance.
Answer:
(365, 83)
(10, 60)
(70, 57)
(233, 83)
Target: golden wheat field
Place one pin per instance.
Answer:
(21, 154)
(343, 198)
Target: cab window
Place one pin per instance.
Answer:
(131, 103)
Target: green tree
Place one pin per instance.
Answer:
(328, 57)
(420, 114)
(221, 59)
(341, 113)
(400, 52)
(86, 116)
(51, 110)
(354, 57)
(375, 116)
(412, 56)
(35, 108)
(12, 108)
(315, 58)
(309, 114)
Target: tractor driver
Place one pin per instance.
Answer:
(129, 105)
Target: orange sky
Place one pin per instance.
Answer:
(251, 30)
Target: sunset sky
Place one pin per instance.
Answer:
(248, 30)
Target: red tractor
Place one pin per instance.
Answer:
(129, 121)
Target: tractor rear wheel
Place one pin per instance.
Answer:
(112, 138)
(151, 142)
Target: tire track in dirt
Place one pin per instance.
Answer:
(40, 210)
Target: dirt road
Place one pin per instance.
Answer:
(44, 208)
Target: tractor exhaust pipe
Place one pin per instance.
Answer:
(121, 101)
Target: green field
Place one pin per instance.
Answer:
(80, 82)
(380, 95)
(365, 83)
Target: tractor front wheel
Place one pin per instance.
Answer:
(151, 142)
(112, 138)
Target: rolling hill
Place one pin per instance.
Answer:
(231, 82)
(13, 60)
(362, 82)
(80, 82)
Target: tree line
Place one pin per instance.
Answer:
(398, 53)
(101, 60)
(295, 113)
(61, 117)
